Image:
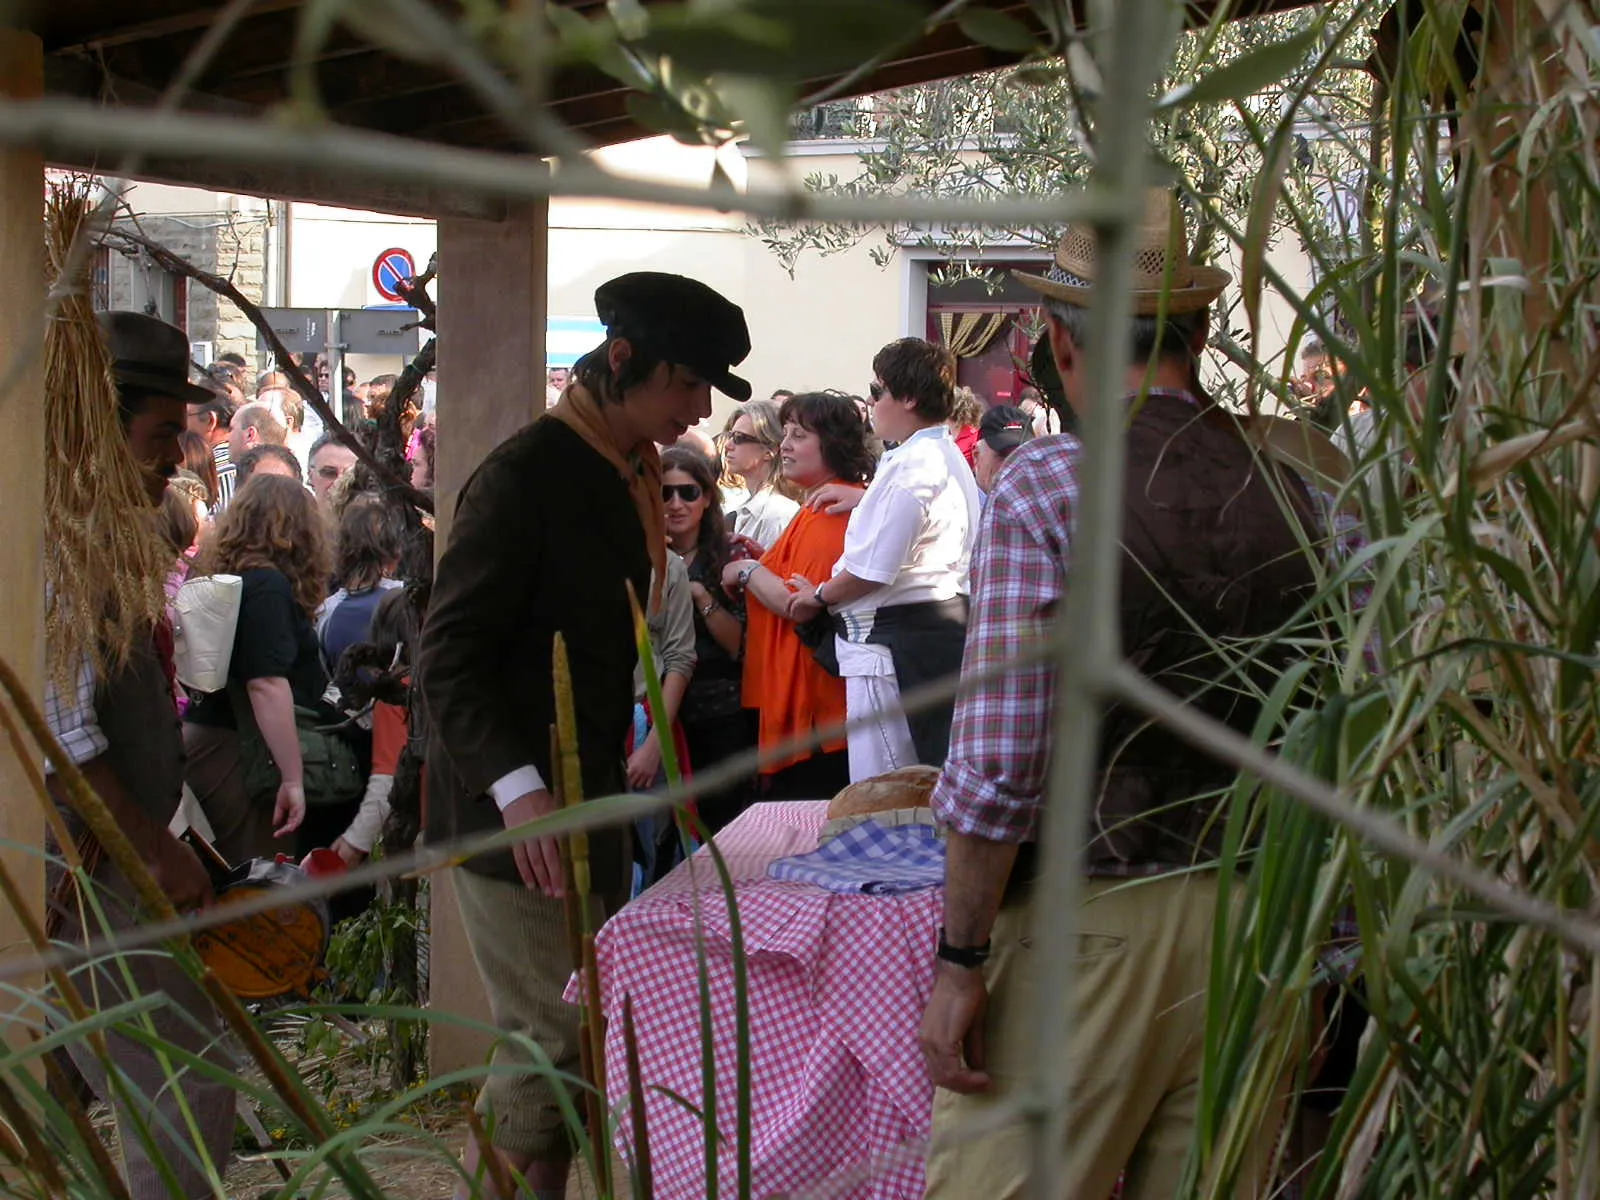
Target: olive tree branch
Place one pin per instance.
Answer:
(74, 127)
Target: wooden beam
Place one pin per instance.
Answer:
(22, 472)
(188, 20)
(305, 184)
(491, 329)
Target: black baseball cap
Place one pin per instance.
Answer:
(680, 319)
(1004, 428)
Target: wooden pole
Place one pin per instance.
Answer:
(491, 383)
(22, 469)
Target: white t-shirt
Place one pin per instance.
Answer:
(765, 516)
(913, 531)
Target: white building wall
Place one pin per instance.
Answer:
(818, 329)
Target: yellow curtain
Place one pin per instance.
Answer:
(969, 334)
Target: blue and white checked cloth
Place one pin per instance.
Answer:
(870, 860)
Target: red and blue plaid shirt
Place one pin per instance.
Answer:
(999, 745)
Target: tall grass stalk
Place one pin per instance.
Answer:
(1448, 799)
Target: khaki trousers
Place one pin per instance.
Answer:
(519, 943)
(1135, 1040)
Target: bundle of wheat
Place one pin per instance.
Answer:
(106, 564)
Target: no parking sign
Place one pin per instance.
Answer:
(390, 269)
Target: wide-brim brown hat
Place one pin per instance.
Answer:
(1164, 278)
(148, 353)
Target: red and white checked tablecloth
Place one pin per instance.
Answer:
(837, 985)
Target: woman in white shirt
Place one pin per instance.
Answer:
(751, 450)
(899, 594)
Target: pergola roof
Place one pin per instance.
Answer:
(125, 52)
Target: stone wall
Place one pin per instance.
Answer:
(231, 243)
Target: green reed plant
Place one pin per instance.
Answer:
(1469, 742)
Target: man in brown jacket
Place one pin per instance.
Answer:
(1208, 558)
(547, 535)
(120, 727)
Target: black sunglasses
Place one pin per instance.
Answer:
(687, 492)
(744, 439)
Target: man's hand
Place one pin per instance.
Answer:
(644, 764)
(952, 1030)
(538, 859)
(835, 498)
(289, 810)
(802, 605)
(181, 874)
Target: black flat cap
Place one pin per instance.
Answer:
(148, 353)
(681, 319)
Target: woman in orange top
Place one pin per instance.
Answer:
(824, 442)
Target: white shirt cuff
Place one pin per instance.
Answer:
(516, 783)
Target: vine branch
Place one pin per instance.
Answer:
(286, 363)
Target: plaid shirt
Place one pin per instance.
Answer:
(72, 718)
(1000, 745)
(993, 781)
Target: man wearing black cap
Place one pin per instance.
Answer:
(1001, 431)
(548, 533)
(120, 727)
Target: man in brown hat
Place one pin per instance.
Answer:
(121, 729)
(1208, 557)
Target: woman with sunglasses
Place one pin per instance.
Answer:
(898, 592)
(751, 448)
(713, 718)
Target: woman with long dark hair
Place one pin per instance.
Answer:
(715, 723)
(824, 442)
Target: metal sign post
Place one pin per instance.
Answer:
(336, 332)
(335, 361)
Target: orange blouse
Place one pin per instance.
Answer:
(781, 678)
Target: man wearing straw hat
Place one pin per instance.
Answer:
(1208, 557)
(120, 727)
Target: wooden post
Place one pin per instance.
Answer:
(491, 384)
(21, 468)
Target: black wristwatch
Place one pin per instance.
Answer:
(971, 957)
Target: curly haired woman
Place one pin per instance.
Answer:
(274, 539)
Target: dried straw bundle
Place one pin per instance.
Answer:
(105, 561)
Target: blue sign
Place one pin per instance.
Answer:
(392, 268)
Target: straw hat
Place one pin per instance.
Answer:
(1161, 265)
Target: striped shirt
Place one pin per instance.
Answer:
(227, 475)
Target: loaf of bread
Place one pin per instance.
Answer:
(909, 787)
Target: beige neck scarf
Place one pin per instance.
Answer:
(580, 411)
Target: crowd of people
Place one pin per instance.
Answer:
(822, 558)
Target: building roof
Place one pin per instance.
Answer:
(125, 53)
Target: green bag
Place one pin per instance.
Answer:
(332, 773)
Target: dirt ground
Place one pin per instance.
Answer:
(406, 1165)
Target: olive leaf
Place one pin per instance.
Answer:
(663, 116)
(761, 106)
(1245, 75)
(997, 30)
